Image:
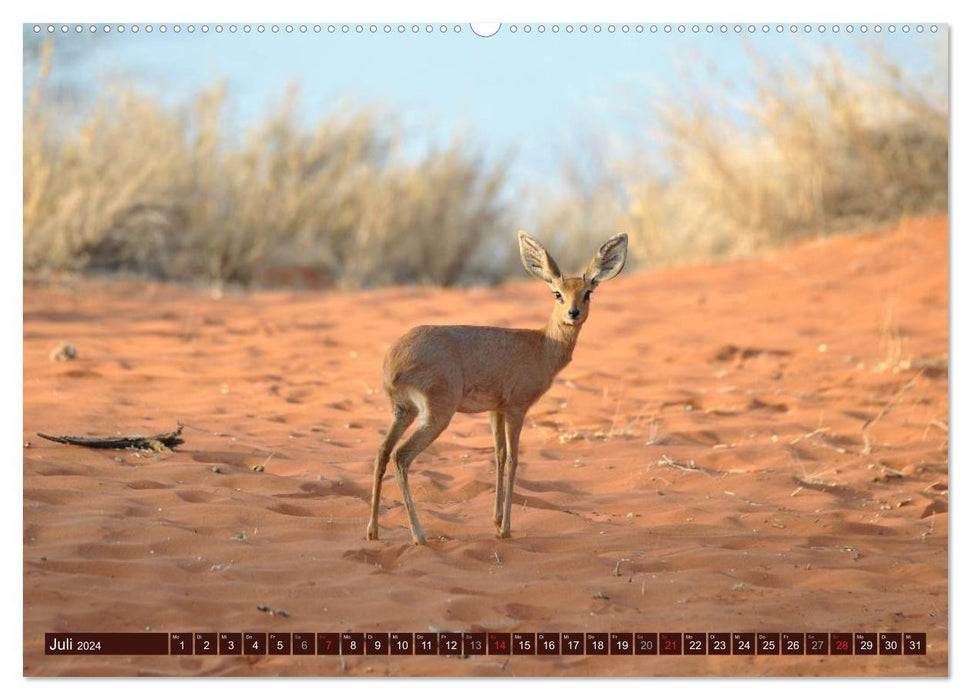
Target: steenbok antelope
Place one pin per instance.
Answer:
(434, 371)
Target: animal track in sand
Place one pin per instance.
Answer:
(57, 470)
(288, 509)
(727, 353)
(233, 459)
(82, 374)
(51, 497)
(541, 486)
(387, 557)
(194, 496)
(524, 611)
(147, 485)
(708, 438)
(759, 405)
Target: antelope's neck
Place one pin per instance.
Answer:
(560, 340)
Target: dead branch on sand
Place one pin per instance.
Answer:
(689, 466)
(817, 431)
(162, 442)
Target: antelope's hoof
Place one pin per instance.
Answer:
(502, 534)
(372, 533)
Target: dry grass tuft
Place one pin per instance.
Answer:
(849, 148)
(134, 187)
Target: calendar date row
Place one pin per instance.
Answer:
(491, 643)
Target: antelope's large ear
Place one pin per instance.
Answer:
(609, 260)
(536, 260)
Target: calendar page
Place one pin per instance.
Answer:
(533, 349)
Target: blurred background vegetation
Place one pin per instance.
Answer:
(130, 185)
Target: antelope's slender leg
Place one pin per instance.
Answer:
(402, 458)
(499, 438)
(514, 425)
(404, 414)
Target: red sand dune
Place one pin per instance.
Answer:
(755, 446)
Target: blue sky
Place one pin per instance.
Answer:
(538, 96)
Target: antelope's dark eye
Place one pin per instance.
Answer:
(586, 296)
(559, 297)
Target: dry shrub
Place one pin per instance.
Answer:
(842, 150)
(135, 187)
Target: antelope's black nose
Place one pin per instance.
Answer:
(574, 313)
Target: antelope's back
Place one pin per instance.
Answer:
(469, 359)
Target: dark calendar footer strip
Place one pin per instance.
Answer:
(765, 644)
